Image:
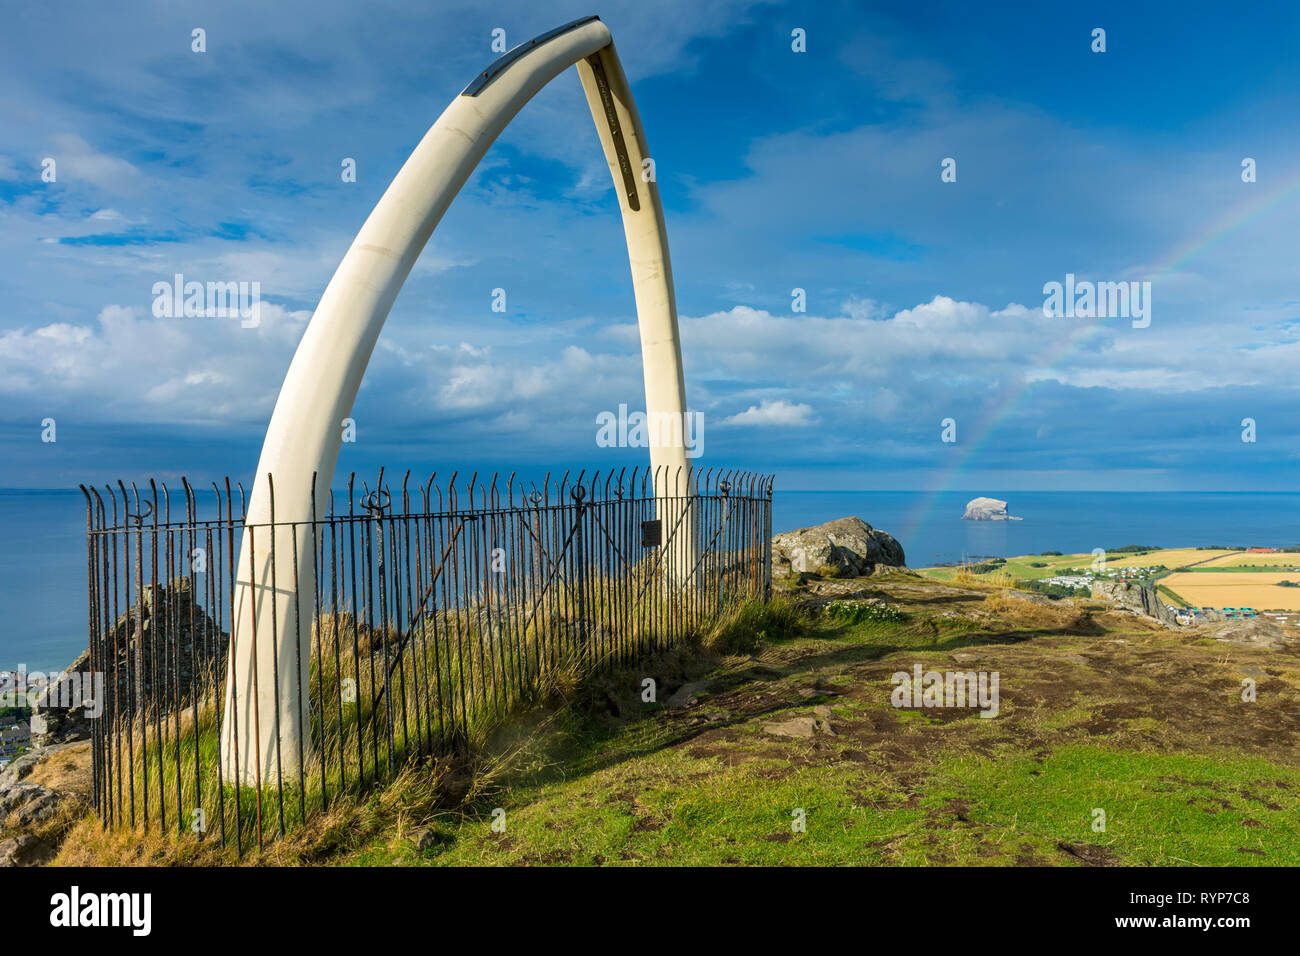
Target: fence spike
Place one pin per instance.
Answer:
(502, 630)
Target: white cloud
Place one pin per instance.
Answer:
(77, 162)
(774, 412)
(132, 366)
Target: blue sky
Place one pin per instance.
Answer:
(779, 170)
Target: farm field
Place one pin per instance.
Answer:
(1169, 557)
(1293, 569)
(1256, 589)
(1022, 567)
(1240, 559)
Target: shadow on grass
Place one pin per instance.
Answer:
(605, 723)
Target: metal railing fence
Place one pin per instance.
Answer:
(436, 611)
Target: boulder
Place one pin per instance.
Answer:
(31, 804)
(687, 694)
(987, 509)
(430, 838)
(1135, 598)
(849, 545)
(801, 727)
(25, 850)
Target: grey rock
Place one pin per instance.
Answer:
(1135, 598)
(25, 850)
(687, 693)
(12, 798)
(794, 727)
(59, 712)
(429, 838)
(987, 509)
(31, 804)
(849, 545)
(20, 767)
(1256, 631)
(801, 727)
(166, 636)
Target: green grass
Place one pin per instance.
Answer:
(638, 795)
(1122, 717)
(974, 792)
(1170, 596)
(671, 809)
(1022, 567)
(1161, 809)
(862, 613)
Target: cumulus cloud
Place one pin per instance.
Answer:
(774, 412)
(131, 366)
(937, 355)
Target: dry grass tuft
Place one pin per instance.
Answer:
(1030, 614)
(993, 580)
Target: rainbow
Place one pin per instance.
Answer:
(1014, 396)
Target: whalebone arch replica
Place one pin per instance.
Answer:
(269, 650)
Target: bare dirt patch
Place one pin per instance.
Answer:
(1133, 681)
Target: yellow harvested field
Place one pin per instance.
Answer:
(1257, 589)
(1169, 557)
(1238, 558)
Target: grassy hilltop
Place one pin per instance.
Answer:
(1099, 710)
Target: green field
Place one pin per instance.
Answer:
(1030, 567)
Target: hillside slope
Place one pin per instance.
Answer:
(1099, 711)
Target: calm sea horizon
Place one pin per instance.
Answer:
(43, 616)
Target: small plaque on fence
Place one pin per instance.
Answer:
(651, 534)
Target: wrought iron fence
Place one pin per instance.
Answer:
(435, 613)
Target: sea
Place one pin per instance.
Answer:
(43, 605)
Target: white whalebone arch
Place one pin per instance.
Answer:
(265, 727)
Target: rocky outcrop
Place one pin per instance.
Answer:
(166, 640)
(1256, 631)
(20, 767)
(59, 712)
(42, 794)
(848, 546)
(1133, 597)
(31, 804)
(987, 509)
